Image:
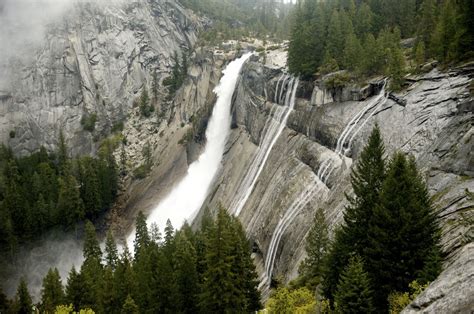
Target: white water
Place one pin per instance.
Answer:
(272, 130)
(344, 142)
(187, 197)
(298, 204)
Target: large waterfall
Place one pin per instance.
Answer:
(276, 122)
(189, 194)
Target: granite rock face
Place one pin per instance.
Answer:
(94, 60)
(432, 119)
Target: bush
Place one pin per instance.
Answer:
(338, 80)
(12, 134)
(141, 172)
(117, 127)
(400, 300)
(88, 122)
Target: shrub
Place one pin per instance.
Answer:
(88, 122)
(12, 134)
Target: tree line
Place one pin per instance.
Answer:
(233, 19)
(207, 271)
(44, 190)
(388, 243)
(364, 36)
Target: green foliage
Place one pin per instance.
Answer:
(88, 122)
(400, 300)
(52, 293)
(12, 134)
(353, 294)
(284, 301)
(178, 74)
(146, 107)
(364, 37)
(22, 303)
(317, 244)
(389, 223)
(42, 190)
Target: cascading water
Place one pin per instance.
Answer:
(324, 172)
(298, 204)
(187, 197)
(344, 142)
(272, 130)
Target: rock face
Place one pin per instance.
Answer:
(93, 61)
(432, 120)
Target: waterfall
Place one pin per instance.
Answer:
(298, 204)
(274, 125)
(345, 139)
(187, 197)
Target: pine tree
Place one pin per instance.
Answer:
(444, 39)
(366, 180)
(111, 253)
(186, 273)
(317, 243)
(89, 187)
(229, 272)
(91, 270)
(75, 289)
(63, 152)
(427, 24)
(23, 303)
(124, 277)
(129, 306)
(70, 207)
(335, 39)
(402, 231)
(142, 238)
(52, 293)
(353, 293)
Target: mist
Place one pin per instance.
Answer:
(24, 25)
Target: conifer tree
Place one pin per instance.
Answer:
(186, 273)
(52, 293)
(353, 293)
(111, 253)
(317, 244)
(91, 270)
(402, 231)
(75, 289)
(129, 306)
(70, 207)
(142, 237)
(366, 180)
(23, 303)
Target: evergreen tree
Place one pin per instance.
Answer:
(70, 207)
(75, 289)
(129, 306)
(63, 152)
(353, 293)
(366, 180)
(23, 303)
(142, 238)
(111, 253)
(335, 39)
(444, 38)
(427, 23)
(124, 277)
(89, 187)
(402, 231)
(317, 243)
(233, 282)
(91, 270)
(52, 293)
(186, 273)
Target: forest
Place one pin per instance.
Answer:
(364, 37)
(181, 271)
(46, 190)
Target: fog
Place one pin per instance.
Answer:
(24, 25)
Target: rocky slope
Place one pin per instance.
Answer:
(93, 60)
(431, 119)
